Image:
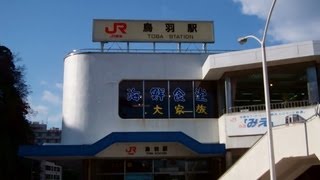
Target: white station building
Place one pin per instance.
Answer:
(186, 115)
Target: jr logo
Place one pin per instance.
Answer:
(122, 27)
(131, 150)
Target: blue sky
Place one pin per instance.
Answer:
(42, 33)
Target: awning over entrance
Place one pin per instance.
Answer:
(128, 144)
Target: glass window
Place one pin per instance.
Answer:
(109, 166)
(130, 99)
(156, 99)
(197, 165)
(139, 166)
(286, 83)
(169, 165)
(181, 99)
(205, 99)
(48, 168)
(139, 177)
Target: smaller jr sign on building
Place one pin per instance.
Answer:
(152, 31)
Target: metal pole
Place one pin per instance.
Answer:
(89, 169)
(269, 121)
(102, 46)
(205, 49)
(267, 95)
(128, 46)
(306, 136)
(266, 90)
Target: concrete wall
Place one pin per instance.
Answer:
(90, 94)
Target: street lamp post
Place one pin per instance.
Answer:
(262, 43)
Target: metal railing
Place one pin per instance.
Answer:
(147, 50)
(260, 107)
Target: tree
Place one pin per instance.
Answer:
(15, 129)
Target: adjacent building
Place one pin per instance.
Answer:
(43, 135)
(50, 171)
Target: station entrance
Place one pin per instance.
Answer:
(136, 156)
(154, 169)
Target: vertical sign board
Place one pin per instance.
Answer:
(152, 31)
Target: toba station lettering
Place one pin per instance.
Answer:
(171, 36)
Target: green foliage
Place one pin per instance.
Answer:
(14, 129)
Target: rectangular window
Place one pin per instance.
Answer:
(156, 99)
(181, 99)
(137, 166)
(198, 165)
(205, 99)
(130, 99)
(48, 168)
(110, 166)
(169, 165)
